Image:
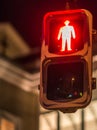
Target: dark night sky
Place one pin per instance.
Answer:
(26, 15)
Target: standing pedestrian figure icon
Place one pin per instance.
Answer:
(66, 32)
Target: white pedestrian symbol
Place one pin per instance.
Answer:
(66, 32)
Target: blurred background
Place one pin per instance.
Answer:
(20, 48)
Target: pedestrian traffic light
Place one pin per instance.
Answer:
(66, 56)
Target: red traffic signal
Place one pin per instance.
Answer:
(66, 60)
(66, 31)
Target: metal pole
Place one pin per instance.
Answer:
(82, 121)
(58, 120)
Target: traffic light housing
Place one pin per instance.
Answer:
(66, 60)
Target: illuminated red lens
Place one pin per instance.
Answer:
(66, 31)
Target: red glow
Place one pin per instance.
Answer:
(66, 31)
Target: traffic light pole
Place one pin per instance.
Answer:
(82, 121)
(58, 120)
